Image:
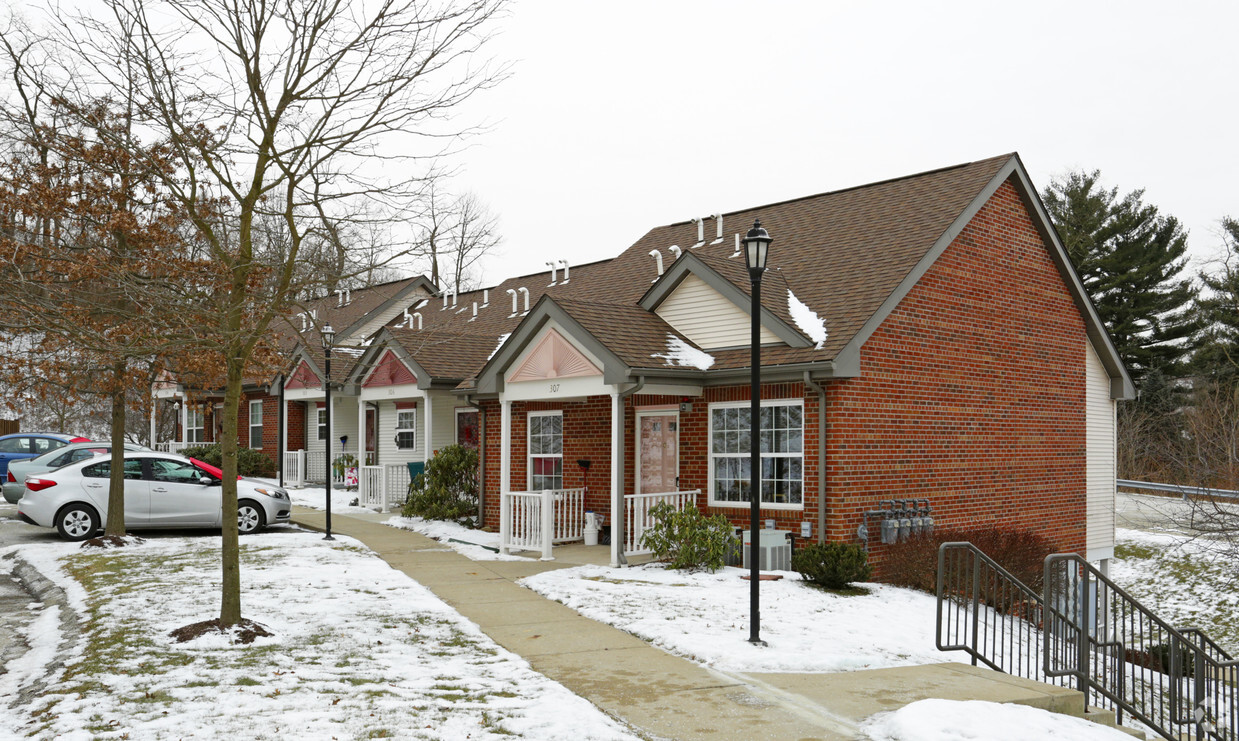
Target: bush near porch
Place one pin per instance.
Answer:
(250, 462)
(448, 489)
(687, 539)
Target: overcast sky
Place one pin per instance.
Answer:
(619, 117)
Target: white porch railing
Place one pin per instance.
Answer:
(637, 517)
(379, 487)
(534, 520)
(173, 446)
(316, 465)
(294, 468)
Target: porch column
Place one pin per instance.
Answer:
(505, 475)
(154, 405)
(617, 478)
(361, 438)
(429, 453)
(184, 419)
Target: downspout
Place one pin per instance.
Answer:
(821, 456)
(617, 524)
(481, 460)
(280, 432)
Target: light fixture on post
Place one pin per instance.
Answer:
(756, 248)
(328, 334)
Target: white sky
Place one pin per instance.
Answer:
(623, 116)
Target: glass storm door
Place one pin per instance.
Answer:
(658, 451)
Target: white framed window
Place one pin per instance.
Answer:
(194, 425)
(322, 423)
(782, 454)
(256, 424)
(546, 450)
(406, 429)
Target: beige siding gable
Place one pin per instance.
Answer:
(1099, 420)
(706, 317)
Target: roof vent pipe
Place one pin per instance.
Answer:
(418, 315)
(737, 253)
(339, 299)
(553, 267)
(658, 258)
(719, 238)
(407, 321)
(485, 297)
(525, 291)
(675, 250)
(475, 311)
(564, 265)
(701, 230)
(512, 293)
(446, 293)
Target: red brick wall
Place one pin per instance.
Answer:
(270, 425)
(971, 393)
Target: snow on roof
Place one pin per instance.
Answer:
(806, 320)
(502, 339)
(680, 352)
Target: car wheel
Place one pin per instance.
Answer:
(77, 522)
(250, 517)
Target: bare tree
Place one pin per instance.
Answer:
(474, 234)
(303, 113)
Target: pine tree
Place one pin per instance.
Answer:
(1130, 259)
(1217, 354)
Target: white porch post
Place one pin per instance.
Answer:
(617, 479)
(184, 419)
(429, 452)
(361, 435)
(505, 475)
(154, 404)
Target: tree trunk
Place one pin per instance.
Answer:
(116, 482)
(230, 603)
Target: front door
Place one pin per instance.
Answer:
(372, 437)
(658, 453)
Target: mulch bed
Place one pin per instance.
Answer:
(243, 632)
(112, 541)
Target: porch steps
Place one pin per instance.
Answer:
(658, 694)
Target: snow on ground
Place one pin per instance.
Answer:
(806, 319)
(967, 720)
(478, 545)
(315, 497)
(705, 617)
(1182, 580)
(360, 651)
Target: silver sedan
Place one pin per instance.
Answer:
(161, 491)
(15, 480)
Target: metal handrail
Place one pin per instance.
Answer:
(1091, 633)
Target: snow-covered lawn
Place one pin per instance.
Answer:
(1183, 581)
(360, 651)
(705, 617)
(954, 720)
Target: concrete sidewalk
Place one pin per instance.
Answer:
(658, 694)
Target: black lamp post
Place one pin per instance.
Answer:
(328, 334)
(756, 245)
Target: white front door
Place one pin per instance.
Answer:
(658, 452)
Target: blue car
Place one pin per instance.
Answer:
(22, 445)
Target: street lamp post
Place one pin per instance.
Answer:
(328, 334)
(756, 246)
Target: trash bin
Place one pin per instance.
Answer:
(591, 529)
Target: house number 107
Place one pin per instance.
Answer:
(554, 388)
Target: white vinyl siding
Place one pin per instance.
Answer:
(443, 429)
(343, 422)
(706, 317)
(1099, 419)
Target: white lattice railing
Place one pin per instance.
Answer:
(637, 517)
(534, 520)
(316, 465)
(396, 479)
(294, 468)
(173, 446)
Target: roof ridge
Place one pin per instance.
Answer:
(856, 187)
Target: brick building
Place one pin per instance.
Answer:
(923, 337)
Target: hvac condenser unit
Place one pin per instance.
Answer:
(773, 547)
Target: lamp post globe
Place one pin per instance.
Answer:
(328, 336)
(756, 250)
